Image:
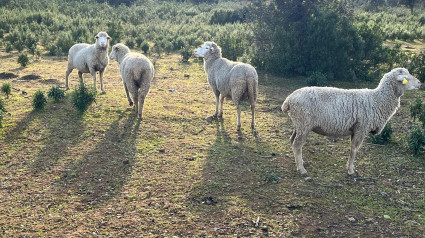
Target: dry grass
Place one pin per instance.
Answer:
(174, 174)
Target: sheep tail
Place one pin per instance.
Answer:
(285, 106)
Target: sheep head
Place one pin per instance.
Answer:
(118, 52)
(102, 40)
(207, 50)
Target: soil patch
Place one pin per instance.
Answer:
(8, 75)
(31, 77)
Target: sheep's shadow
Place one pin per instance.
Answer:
(102, 173)
(237, 169)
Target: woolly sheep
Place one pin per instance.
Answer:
(228, 79)
(89, 59)
(339, 112)
(136, 71)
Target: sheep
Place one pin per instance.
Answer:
(89, 59)
(340, 112)
(136, 71)
(228, 79)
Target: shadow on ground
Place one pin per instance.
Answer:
(101, 173)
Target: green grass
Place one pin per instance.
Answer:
(106, 173)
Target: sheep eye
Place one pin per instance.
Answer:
(97, 37)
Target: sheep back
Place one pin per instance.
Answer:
(227, 76)
(337, 112)
(84, 56)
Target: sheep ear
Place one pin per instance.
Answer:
(403, 79)
(117, 48)
(109, 38)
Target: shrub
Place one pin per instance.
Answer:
(316, 79)
(56, 93)
(9, 47)
(130, 43)
(145, 47)
(384, 137)
(2, 111)
(64, 43)
(6, 89)
(417, 66)
(416, 108)
(416, 139)
(185, 53)
(139, 41)
(23, 60)
(83, 97)
(39, 100)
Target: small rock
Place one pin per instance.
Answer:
(186, 76)
(172, 90)
(161, 150)
(171, 68)
(307, 178)
(126, 161)
(24, 93)
(387, 217)
(352, 219)
(208, 200)
(369, 220)
(240, 138)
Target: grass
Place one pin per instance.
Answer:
(175, 174)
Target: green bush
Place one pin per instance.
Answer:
(23, 60)
(384, 137)
(417, 66)
(39, 100)
(64, 43)
(56, 93)
(186, 53)
(316, 79)
(416, 139)
(2, 111)
(145, 47)
(130, 43)
(6, 89)
(416, 108)
(9, 47)
(83, 97)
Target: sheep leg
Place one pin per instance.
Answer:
(136, 101)
(297, 147)
(68, 71)
(238, 108)
(220, 114)
(101, 80)
(142, 96)
(252, 115)
(217, 94)
(356, 142)
(80, 75)
(93, 74)
(128, 95)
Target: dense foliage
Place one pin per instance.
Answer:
(83, 96)
(39, 100)
(56, 93)
(6, 89)
(384, 137)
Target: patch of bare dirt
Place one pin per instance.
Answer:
(8, 75)
(30, 77)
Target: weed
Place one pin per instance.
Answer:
(56, 93)
(39, 100)
(83, 97)
(384, 137)
(6, 89)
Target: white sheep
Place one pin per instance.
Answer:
(339, 112)
(136, 71)
(228, 79)
(89, 59)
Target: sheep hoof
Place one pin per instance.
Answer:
(303, 172)
(220, 115)
(255, 132)
(103, 92)
(238, 128)
(140, 117)
(131, 104)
